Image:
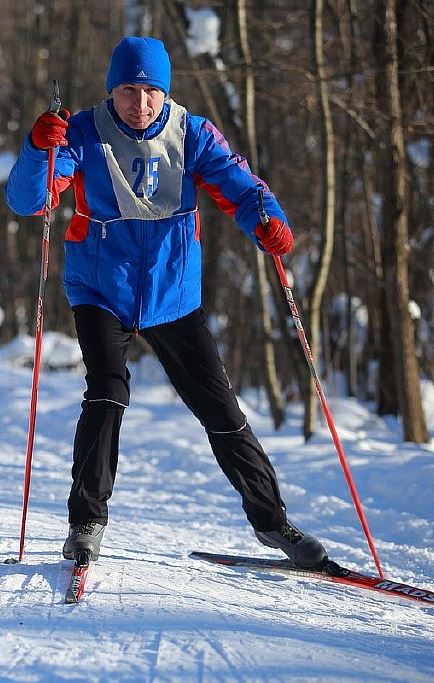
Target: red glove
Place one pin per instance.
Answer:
(49, 130)
(275, 237)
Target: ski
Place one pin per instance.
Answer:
(331, 572)
(78, 578)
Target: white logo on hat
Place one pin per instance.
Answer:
(142, 75)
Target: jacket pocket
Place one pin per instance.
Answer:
(81, 258)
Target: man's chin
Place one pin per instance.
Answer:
(139, 124)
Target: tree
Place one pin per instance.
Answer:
(357, 100)
(396, 245)
(265, 345)
(327, 208)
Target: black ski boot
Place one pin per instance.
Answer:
(303, 550)
(86, 536)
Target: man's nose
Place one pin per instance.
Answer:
(141, 99)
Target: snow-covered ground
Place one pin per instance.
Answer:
(150, 613)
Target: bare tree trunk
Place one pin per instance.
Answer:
(396, 247)
(375, 284)
(157, 19)
(350, 54)
(78, 42)
(266, 343)
(292, 346)
(387, 388)
(327, 209)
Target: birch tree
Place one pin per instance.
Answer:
(327, 208)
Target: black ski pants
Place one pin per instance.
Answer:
(189, 355)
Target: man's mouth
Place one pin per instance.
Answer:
(139, 120)
(144, 115)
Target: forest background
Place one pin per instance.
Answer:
(332, 104)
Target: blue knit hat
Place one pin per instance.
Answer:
(139, 60)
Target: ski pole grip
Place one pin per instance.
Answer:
(265, 219)
(55, 103)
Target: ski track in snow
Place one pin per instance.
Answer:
(150, 613)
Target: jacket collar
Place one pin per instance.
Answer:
(148, 133)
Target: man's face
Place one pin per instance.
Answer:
(137, 105)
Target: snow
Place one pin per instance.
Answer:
(203, 31)
(414, 310)
(419, 152)
(150, 613)
(7, 160)
(58, 351)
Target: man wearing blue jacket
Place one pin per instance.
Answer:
(133, 265)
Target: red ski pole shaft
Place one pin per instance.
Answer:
(54, 107)
(324, 405)
(326, 410)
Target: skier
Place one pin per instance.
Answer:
(133, 266)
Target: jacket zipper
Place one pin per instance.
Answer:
(138, 308)
(98, 251)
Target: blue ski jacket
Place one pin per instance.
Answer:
(144, 271)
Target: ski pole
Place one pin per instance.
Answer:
(324, 405)
(54, 108)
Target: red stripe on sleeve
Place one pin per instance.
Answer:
(60, 184)
(79, 225)
(215, 193)
(197, 225)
